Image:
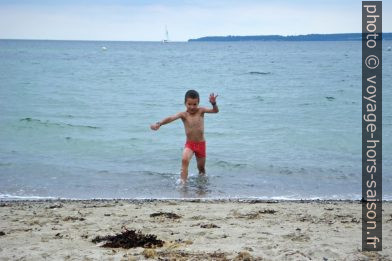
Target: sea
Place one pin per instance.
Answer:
(75, 119)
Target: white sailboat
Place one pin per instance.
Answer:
(166, 40)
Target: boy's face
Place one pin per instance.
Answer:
(192, 105)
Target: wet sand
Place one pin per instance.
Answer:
(202, 230)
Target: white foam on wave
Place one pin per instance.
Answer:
(16, 197)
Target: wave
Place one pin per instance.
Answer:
(250, 199)
(16, 197)
(259, 73)
(161, 174)
(216, 133)
(259, 98)
(62, 125)
(5, 164)
(229, 165)
(305, 104)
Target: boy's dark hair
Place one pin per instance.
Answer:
(192, 94)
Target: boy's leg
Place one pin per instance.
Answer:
(186, 158)
(201, 163)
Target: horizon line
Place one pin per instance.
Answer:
(173, 41)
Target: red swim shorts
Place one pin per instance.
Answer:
(198, 147)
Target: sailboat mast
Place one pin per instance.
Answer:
(167, 34)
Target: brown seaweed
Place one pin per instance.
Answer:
(165, 214)
(130, 239)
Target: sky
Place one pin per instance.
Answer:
(145, 20)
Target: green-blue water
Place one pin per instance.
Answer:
(75, 119)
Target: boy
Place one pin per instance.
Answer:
(193, 119)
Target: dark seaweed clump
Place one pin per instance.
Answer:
(166, 214)
(130, 239)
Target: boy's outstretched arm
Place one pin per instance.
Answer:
(167, 120)
(214, 108)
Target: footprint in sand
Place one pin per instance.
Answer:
(298, 237)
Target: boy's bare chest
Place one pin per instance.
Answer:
(194, 121)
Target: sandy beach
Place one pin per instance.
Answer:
(191, 230)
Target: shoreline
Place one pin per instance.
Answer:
(200, 200)
(200, 229)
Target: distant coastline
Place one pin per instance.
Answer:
(306, 37)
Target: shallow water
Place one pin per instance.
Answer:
(75, 119)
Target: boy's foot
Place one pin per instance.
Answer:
(183, 182)
(202, 173)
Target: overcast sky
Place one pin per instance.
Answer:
(145, 20)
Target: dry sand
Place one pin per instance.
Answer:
(205, 230)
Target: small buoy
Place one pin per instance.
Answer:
(389, 48)
(104, 48)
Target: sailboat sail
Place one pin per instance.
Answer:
(166, 40)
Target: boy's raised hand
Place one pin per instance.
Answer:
(213, 98)
(155, 126)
